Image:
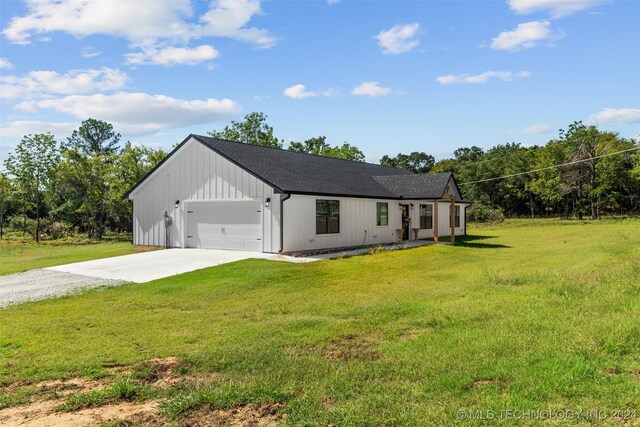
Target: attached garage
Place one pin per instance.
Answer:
(235, 225)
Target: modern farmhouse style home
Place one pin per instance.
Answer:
(212, 193)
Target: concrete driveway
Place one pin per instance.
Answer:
(143, 267)
(147, 266)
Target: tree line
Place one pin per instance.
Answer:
(52, 188)
(577, 174)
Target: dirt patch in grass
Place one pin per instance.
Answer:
(346, 347)
(44, 413)
(264, 414)
(52, 403)
(410, 334)
(351, 347)
(160, 372)
(501, 385)
(67, 387)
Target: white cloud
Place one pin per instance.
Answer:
(331, 92)
(333, 1)
(19, 128)
(89, 52)
(140, 113)
(556, 8)
(5, 64)
(229, 18)
(621, 116)
(538, 129)
(398, 39)
(372, 89)
(156, 24)
(481, 78)
(173, 55)
(156, 20)
(39, 84)
(299, 91)
(524, 36)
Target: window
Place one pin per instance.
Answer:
(457, 216)
(382, 213)
(426, 217)
(327, 216)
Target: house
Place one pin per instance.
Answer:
(212, 193)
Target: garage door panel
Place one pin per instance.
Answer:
(233, 231)
(208, 243)
(254, 232)
(233, 244)
(225, 225)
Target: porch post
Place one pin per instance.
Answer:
(452, 219)
(435, 222)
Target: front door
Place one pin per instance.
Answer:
(406, 222)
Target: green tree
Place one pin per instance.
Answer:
(94, 136)
(252, 130)
(6, 191)
(546, 182)
(417, 161)
(81, 190)
(32, 166)
(320, 147)
(129, 167)
(581, 178)
(616, 189)
(468, 154)
(85, 176)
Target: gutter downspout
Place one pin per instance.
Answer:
(133, 218)
(286, 197)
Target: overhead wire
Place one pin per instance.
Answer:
(550, 167)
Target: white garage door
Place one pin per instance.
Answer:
(225, 225)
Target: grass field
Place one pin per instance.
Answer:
(17, 254)
(531, 315)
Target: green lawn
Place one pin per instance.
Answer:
(524, 316)
(17, 255)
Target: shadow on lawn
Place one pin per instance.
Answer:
(470, 242)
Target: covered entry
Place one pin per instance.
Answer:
(228, 224)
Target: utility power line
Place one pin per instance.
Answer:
(551, 167)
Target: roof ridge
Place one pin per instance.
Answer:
(414, 174)
(297, 152)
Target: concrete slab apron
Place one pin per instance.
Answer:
(148, 266)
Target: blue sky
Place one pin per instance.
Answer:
(387, 77)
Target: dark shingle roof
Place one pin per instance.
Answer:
(299, 173)
(427, 186)
(293, 172)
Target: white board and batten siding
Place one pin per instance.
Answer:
(200, 179)
(358, 222)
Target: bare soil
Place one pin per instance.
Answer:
(265, 414)
(43, 411)
(44, 414)
(347, 347)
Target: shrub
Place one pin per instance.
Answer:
(484, 213)
(19, 223)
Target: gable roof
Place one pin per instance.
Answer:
(301, 173)
(424, 186)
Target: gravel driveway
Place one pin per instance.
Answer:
(40, 284)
